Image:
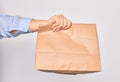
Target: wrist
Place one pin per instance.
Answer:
(36, 24)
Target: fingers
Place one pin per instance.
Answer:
(60, 23)
(68, 25)
(64, 22)
(57, 22)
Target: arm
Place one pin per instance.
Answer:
(12, 26)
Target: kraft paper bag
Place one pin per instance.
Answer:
(73, 51)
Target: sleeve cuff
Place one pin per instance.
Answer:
(22, 26)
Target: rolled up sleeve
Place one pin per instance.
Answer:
(10, 23)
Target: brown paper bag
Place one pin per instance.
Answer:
(74, 50)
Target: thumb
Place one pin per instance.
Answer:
(52, 21)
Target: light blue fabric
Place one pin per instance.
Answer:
(9, 23)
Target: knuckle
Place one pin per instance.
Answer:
(58, 24)
(65, 25)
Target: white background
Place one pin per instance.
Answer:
(17, 55)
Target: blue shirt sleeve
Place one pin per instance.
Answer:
(10, 23)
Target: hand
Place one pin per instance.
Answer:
(56, 23)
(59, 22)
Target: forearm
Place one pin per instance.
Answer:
(36, 24)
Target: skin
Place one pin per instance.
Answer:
(56, 22)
